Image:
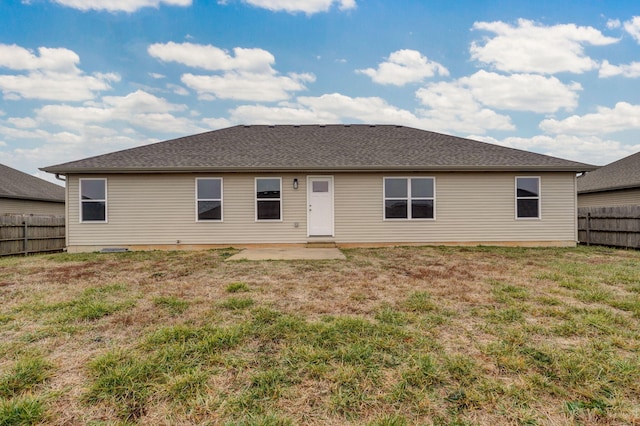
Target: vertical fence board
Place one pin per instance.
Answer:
(610, 226)
(23, 234)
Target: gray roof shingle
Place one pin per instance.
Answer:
(317, 148)
(621, 174)
(16, 184)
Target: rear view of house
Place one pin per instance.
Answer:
(344, 184)
(21, 193)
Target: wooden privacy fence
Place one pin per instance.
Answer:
(24, 234)
(610, 226)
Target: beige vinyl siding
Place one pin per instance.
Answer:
(622, 197)
(17, 206)
(159, 209)
(469, 207)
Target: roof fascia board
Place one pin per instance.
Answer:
(18, 197)
(354, 169)
(612, 188)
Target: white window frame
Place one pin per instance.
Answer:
(539, 197)
(106, 203)
(409, 198)
(210, 199)
(256, 199)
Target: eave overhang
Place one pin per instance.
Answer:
(316, 169)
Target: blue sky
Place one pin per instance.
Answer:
(86, 77)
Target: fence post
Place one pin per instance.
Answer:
(589, 228)
(26, 237)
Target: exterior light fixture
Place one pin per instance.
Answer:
(295, 183)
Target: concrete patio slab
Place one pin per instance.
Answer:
(288, 253)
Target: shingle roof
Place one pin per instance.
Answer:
(317, 148)
(16, 184)
(621, 174)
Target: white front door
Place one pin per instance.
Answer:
(320, 201)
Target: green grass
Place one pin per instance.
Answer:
(237, 288)
(21, 411)
(27, 374)
(237, 303)
(171, 304)
(393, 336)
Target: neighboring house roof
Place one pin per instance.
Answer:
(621, 174)
(16, 184)
(318, 148)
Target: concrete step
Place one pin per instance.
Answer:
(320, 244)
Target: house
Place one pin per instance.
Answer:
(616, 184)
(344, 184)
(21, 193)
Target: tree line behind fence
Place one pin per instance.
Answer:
(617, 226)
(24, 234)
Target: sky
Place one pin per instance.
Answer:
(85, 77)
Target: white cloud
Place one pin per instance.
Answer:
(51, 75)
(119, 5)
(532, 48)
(262, 114)
(631, 70)
(305, 6)
(403, 67)
(467, 104)
(328, 108)
(23, 123)
(246, 75)
(365, 109)
(623, 116)
(521, 92)
(213, 58)
(633, 28)
(590, 150)
(137, 109)
(452, 107)
(216, 123)
(245, 86)
(338, 108)
(50, 59)
(613, 24)
(59, 147)
(177, 89)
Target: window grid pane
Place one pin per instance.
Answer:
(528, 208)
(209, 189)
(93, 211)
(209, 210)
(422, 209)
(395, 188)
(396, 209)
(268, 210)
(93, 189)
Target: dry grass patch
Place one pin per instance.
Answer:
(392, 336)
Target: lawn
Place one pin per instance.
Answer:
(391, 336)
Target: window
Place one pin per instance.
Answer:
(93, 200)
(527, 197)
(209, 199)
(268, 199)
(409, 198)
